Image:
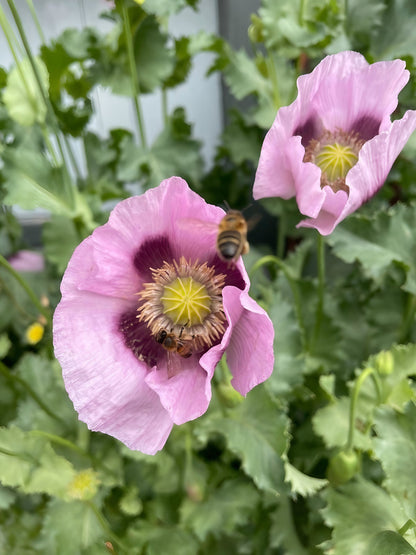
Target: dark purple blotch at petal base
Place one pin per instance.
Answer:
(308, 131)
(231, 272)
(138, 338)
(367, 127)
(152, 254)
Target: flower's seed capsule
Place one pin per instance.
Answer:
(335, 154)
(183, 295)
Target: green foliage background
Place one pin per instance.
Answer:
(320, 459)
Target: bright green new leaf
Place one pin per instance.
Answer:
(301, 483)
(22, 96)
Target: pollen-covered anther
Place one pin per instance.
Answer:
(335, 154)
(184, 298)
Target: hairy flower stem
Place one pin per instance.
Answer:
(369, 371)
(67, 181)
(133, 74)
(321, 289)
(15, 378)
(31, 294)
(270, 259)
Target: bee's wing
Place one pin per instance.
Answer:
(193, 225)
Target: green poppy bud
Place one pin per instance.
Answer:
(342, 467)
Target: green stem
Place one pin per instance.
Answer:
(281, 235)
(36, 20)
(105, 525)
(165, 106)
(270, 259)
(321, 288)
(291, 542)
(353, 405)
(407, 526)
(133, 74)
(271, 68)
(302, 9)
(45, 98)
(49, 145)
(408, 319)
(62, 441)
(14, 377)
(9, 34)
(44, 311)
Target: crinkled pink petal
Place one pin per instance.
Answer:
(367, 92)
(186, 395)
(103, 378)
(375, 161)
(250, 355)
(112, 246)
(331, 209)
(282, 173)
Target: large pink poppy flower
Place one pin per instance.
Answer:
(334, 146)
(143, 282)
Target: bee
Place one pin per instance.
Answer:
(175, 346)
(232, 237)
(230, 234)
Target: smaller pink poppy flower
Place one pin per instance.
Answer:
(334, 146)
(27, 261)
(147, 311)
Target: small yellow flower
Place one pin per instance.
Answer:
(140, 2)
(84, 485)
(34, 333)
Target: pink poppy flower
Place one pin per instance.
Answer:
(27, 261)
(334, 146)
(140, 285)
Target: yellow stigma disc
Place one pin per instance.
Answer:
(186, 301)
(336, 160)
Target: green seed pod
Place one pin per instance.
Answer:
(342, 467)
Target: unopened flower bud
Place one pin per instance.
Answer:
(384, 363)
(255, 30)
(342, 467)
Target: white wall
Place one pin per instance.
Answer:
(200, 96)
